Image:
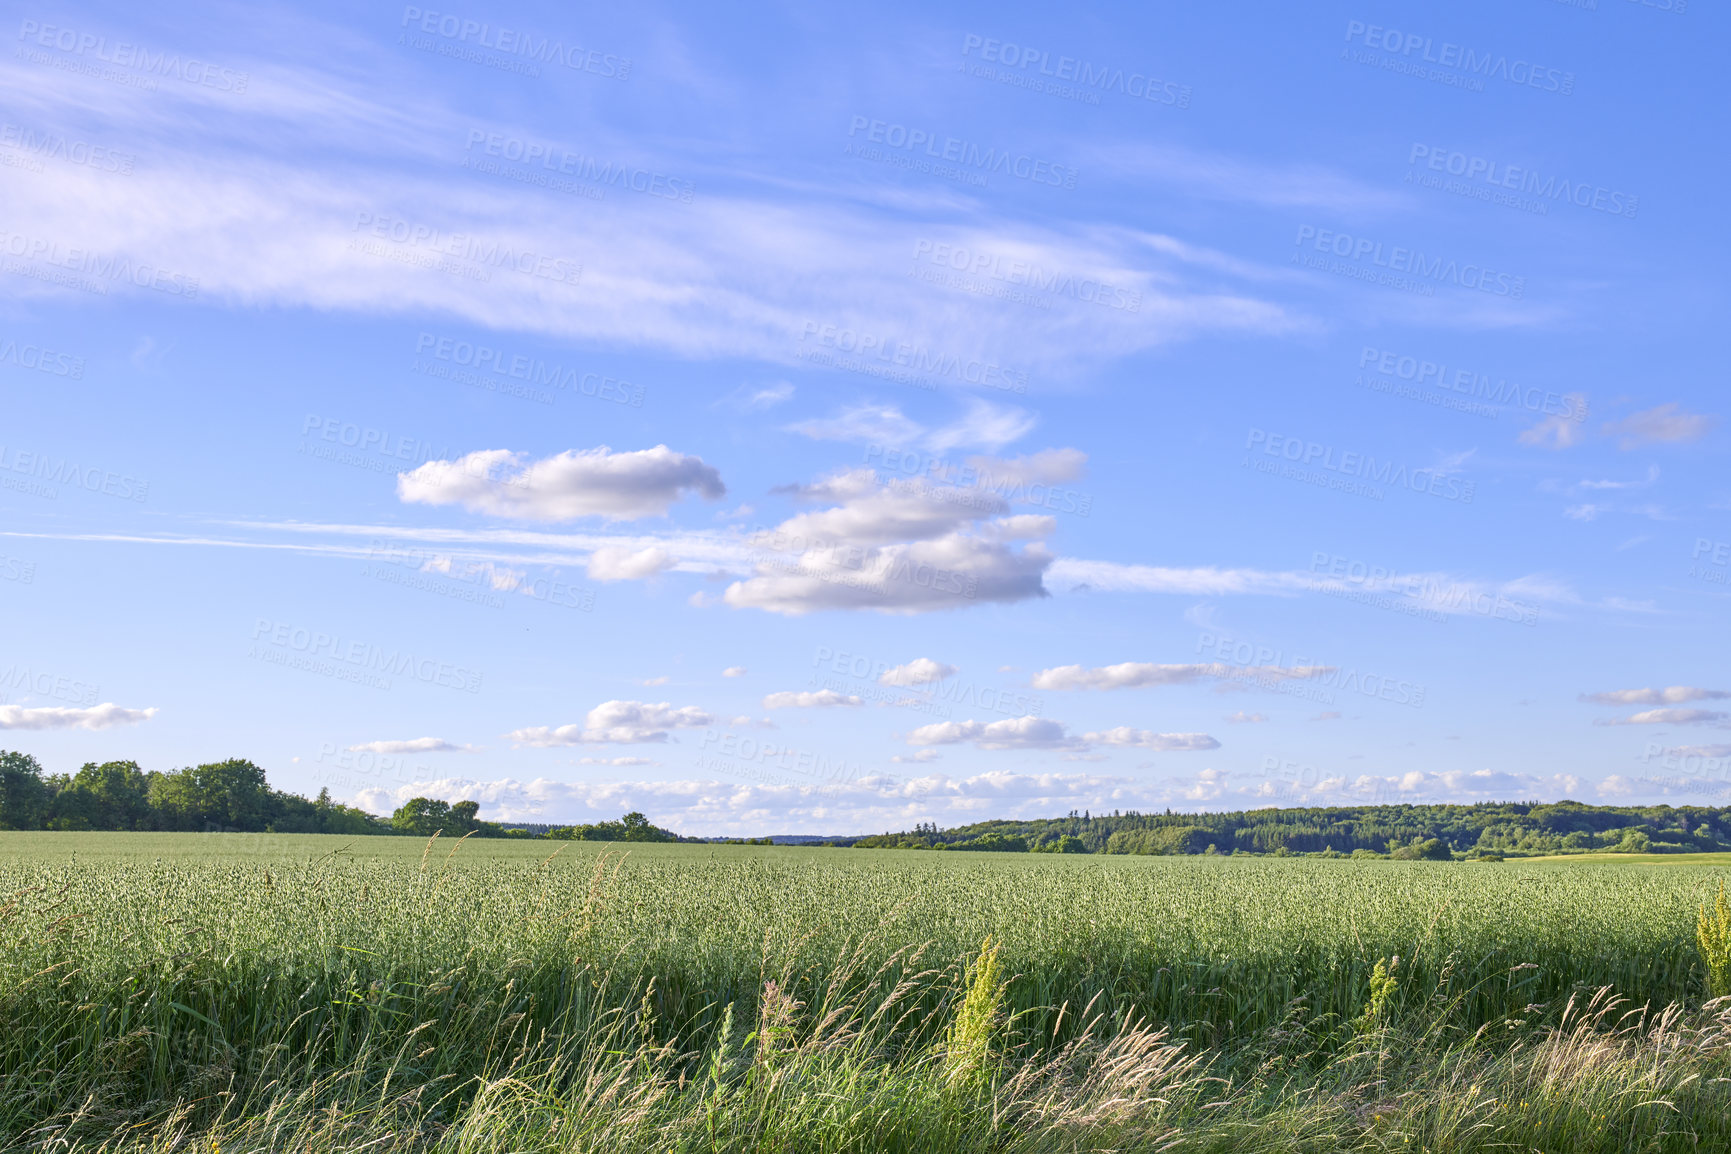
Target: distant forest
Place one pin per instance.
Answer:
(233, 797)
(1490, 829)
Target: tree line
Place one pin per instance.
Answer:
(1487, 829)
(233, 797)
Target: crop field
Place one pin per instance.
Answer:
(265, 992)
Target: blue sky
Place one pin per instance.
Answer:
(803, 421)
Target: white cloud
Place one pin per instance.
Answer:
(617, 722)
(919, 671)
(652, 681)
(869, 424)
(984, 424)
(1137, 674)
(877, 802)
(1673, 695)
(987, 425)
(822, 699)
(734, 671)
(894, 548)
(1669, 717)
(1664, 424)
(1113, 577)
(1016, 733)
(617, 761)
(1560, 430)
(1043, 733)
(1243, 718)
(919, 756)
(757, 398)
(576, 483)
(1124, 735)
(413, 745)
(615, 564)
(1046, 467)
(104, 716)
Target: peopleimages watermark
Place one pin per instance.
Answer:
(361, 662)
(555, 162)
(516, 374)
(1454, 64)
(923, 150)
(1511, 185)
(1268, 668)
(861, 675)
(40, 358)
(41, 683)
(478, 582)
(368, 764)
(1067, 76)
(1693, 760)
(912, 465)
(89, 271)
(45, 471)
(131, 63)
(1718, 555)
(1305, 782)
(1348, 472)
(1416, 595)
(17, 569)
(381, 451)
(960, 267)
(757, 759)
(424, 246)
(901, 361)
(37, 146)
(1403, 374)
(1403, 268)
(519, 51)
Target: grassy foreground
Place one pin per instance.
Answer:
(257, 992)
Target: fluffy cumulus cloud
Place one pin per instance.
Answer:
(1010, 733)
(412, 745)
(1139, 674)
(570, 485)
(1671, 695)
(734, 671)
(105, 716)
(919, 671)
(616, 564)
(617, 723)
(1664, 424)
(878, 801)
(822, 699)
(1044, 733)
(893, 546)
(792, 805)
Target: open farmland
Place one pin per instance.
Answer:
(269, 991)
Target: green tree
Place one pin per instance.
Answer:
(422, 816)
(222, 794)
(113, 795)
(23, 794)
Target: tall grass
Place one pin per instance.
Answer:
(694, 999)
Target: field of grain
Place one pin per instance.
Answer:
(273, 992)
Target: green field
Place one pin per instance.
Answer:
(308, 992)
